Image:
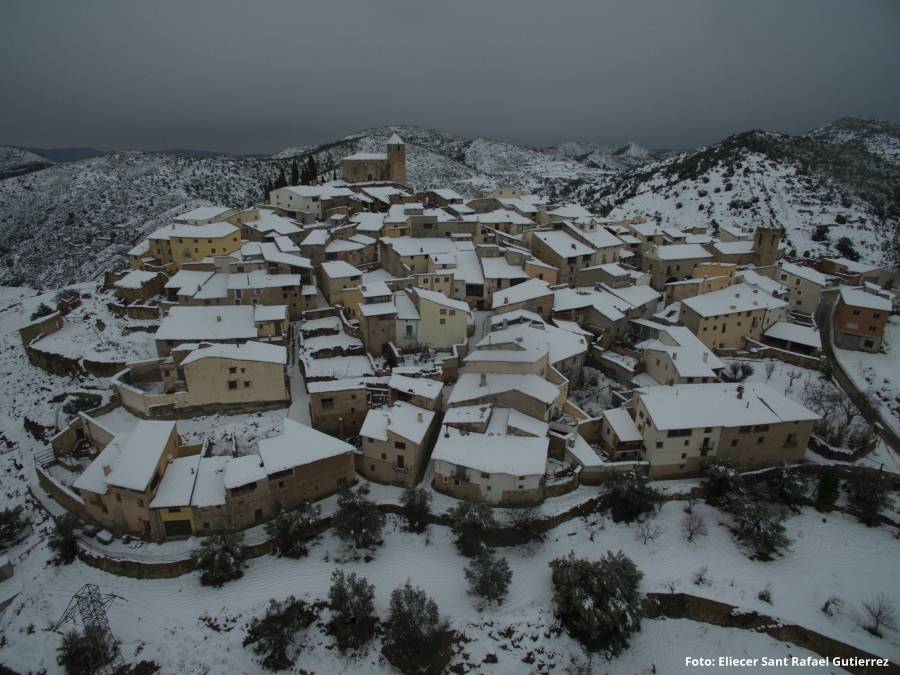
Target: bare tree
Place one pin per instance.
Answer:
(647, 532)
(770, 368)
(701, 576)
(879, 613)
(526, 520)
(792, 375)
(692, 527)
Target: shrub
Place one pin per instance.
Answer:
(291, 530)
(272, 634)
(821, 233)
(701, 576)
(598, 601)
(739, 371)
(87, 652)
(489, 577)
(220, 558)
(470, 522)
(12, 525)
(828, 489)
(846, 248)
(42, 310)
(358, 521)
(833, 605)
(416, 507)
(765, 595)
(416, 639)
(630, 496)
(868, 494)
(64, 539)
(525, 520)
(352, 602)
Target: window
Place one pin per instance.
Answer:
(247, 384)
(400, 445)
(384, 456)
(232, 371)
(232, 384)
(876, 315)
(855, 312)
(401, 463)
(443, 311)
(327, 402)
(683, 455)
(733, 442)
(443, 321)
(759, 441)
(659, 444)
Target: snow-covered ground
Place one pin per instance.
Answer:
(162, 620)
(878, 374)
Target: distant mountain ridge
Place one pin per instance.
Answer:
(65, 222)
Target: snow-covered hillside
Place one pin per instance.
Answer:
(63, 223)
(799, 183)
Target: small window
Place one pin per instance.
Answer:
(400, 445)
(232, 384)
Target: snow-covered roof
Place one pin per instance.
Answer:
(527, 290)
(857, 297)
(377, 309)
(209, 488)
(345, 384)
(736, 298)
(622, 424)
(571, 211)
(135, 279)
(441, 299)
(262, 279)
(500, 268)
(375, 289)
(406, 308)
(601, 237)
(204, 213)
(403, 419)
(689, 406)
(338, 269)
(248, 351)
(733, 247)
(563, 244)
(687, 362)
(447, 193)
(562, 344)
(513, 455)
(411, 246)
(321, 191)
(468, 414)
(188, 281)
(243, 470)
(298, 445)
(607, 304)
(635, 295)
(367, 156)
(224, 322)
(140, 455)
(794, 332)
(367, 221)
(469, 387)
(804, 272)
(317, 237)
(503, 216)
(337, 367)
(177, 484)
(680, 252)
(754, 278)
(418, 386)
(93, 478)
(343, 246)
(852, 266)
(208, 231)
(263, 313)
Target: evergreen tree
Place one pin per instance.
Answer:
(630, 496)
(723, 482)
(64, 539)
(828, 489)
(352, 602)
(358, 521)
(87, 652)
(295, 172)
(416, 639)
(470, 522)
(273, 634)
(760, 527)
(489, 577)
(787, 487)
(313, 169)
(598, 601)
(291, 530)
(868, 494)
(220, 558)
(282, 180)
(42, 310)
(416, 507)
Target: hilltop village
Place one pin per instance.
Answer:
(499, 349)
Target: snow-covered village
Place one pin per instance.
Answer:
(414, 402)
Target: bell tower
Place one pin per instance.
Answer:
(766, 241)
(396, 160)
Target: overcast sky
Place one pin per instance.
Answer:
(239, 76)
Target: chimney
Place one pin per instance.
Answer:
(483, 381)
(219, 318)
(705, 357)
(674, 356)
(418, 417)
(107, 469)
(740, 391)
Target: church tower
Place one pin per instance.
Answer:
(396, 160)
(766, 241)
